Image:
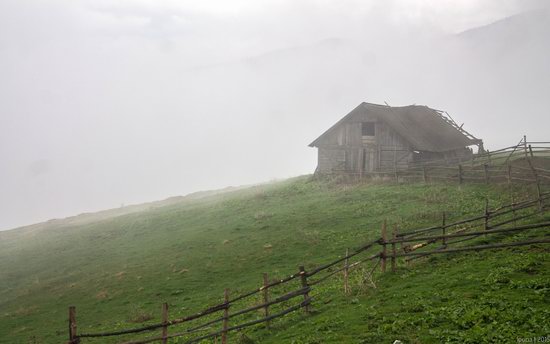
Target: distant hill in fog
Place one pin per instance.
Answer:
(86, 218)
(532, 24)
(480, 76)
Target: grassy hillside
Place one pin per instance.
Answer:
(488, 297)
(120, 269)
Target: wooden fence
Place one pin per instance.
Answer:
(526, 162)
(404, 245)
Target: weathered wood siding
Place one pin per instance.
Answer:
(345, 149)
(394, 151)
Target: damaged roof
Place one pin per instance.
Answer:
(426, 129)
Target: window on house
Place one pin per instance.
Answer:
(367, 129)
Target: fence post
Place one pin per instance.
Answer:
(266, 297)
(535, 174)
(459, 174)
(525, 145)
(486, 169)
(510, 189)
(395, 164)
(486, 220)
(384, 251)
(539, 195)
(346, 273)
(225, 315)
(444, 229)
(164, 322)
(303, 279)
(514, 209)
(393, 249)
(73, 339)
(425, 174)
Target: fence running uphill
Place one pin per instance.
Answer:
(391, 247)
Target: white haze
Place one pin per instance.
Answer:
(104, 103)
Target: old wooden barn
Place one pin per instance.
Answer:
(376, 137)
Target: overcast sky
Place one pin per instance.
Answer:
(104, 103)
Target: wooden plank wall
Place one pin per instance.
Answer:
(343, 149)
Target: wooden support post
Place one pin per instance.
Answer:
(395, 164)
(384, 250)
(394, 250)
(539, 196)
(361, 163)
(401, 247)
(514, 210)
(541, 201)
(346, 273)
(486, 220)
(486, 169)
(164, 323)
(425, 174)
(303, 279)
(225, 315)
(459, 174)
(265, 293)
(73, 339)
(510, 189)
(525, 145)
(444, 229)
(537, 181)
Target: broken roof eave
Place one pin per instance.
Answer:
(416, 145)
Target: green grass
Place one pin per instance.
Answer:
(489, 297)
(117, 271)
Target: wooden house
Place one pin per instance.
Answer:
(376, 137)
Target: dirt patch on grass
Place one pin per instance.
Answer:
(102, 295)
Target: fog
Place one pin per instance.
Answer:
(106, 103)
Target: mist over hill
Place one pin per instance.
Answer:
(496, 72)
(127, 116)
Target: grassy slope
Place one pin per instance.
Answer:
(489, 297)
(121, 269)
